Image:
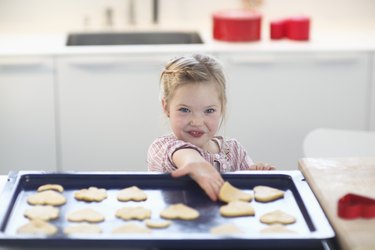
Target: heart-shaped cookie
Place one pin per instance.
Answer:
(277, 217)
(85, 214)
(237, 208)
(266, 194)
(230, 193)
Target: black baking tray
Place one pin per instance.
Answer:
(162, 190)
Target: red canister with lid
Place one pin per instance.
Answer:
(237, 25)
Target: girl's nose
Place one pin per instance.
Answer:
(196, 120)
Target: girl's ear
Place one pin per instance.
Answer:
(165, 108)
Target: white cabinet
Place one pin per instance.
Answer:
(27, 128)
(109, 111)
(275, 99)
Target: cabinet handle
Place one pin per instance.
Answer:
(93, 65)
(23, 66)
(258, 60)
(336, 59)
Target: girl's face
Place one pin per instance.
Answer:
(195, 113)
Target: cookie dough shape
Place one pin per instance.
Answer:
(158, 223)
(83, 228)
(91, 194)
(131, 228)
(277, 229)
(48, 197)
(179, 211)
(237, 208)
(266, 194)
(228, 228)
(278, 217)
(55, 187)
(131, 194)
(42, 213)
(230, 193)
(137, 213)
(37, 227)
(85, 215)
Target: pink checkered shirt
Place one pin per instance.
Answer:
(232, 155)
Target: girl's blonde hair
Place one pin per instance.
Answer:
(197, 68)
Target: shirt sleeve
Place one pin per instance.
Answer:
(160, 152)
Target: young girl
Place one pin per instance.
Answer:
(194, 99)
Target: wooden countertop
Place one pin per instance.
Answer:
(332, 178)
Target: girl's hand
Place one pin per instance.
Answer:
(207, 177)
(262, 166)
(191, 163)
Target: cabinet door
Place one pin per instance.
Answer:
(109, 111)
(27, 128)
(276, 99)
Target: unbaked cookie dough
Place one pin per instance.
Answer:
(266, 194)
(137, 213)
(278, 217)
(179, 211)
(131, 228)
(83, 228)
(237, 208)
(91, 194)
(42, 212)
(131, 194)
(48, 197)
(37, 227)
(86, 214)
(230, 193)
(55, 187)
(228, 228)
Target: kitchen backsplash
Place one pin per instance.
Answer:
(38, 16)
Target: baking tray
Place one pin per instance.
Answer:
(162, 190)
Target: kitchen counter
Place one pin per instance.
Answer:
(323, 37)
(330, 179)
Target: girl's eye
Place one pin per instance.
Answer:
(210, 110)
(184, 110)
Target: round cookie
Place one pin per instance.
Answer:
(158, 223)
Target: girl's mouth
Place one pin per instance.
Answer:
(196, 134)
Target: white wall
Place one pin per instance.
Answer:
(35, 16)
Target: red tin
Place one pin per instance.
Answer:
(352, 206)
(237, 25)
(298, 28)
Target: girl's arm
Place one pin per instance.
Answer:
(190, 162)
